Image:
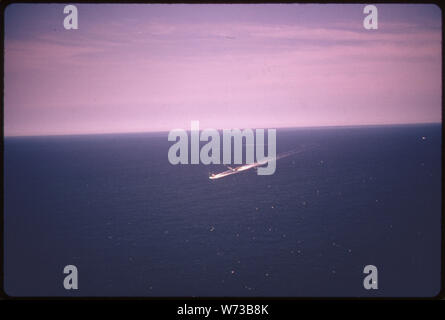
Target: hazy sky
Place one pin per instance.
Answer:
(132, 68)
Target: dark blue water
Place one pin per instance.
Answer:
(135, 225)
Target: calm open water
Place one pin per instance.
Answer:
(135, 225)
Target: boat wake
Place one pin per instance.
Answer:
(245, 167)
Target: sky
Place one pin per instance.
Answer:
(145, 67)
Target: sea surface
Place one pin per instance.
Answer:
(135, 225)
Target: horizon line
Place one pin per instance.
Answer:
(220, 129)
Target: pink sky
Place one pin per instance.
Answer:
(156, 68)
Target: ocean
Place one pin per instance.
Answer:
(135, 225)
